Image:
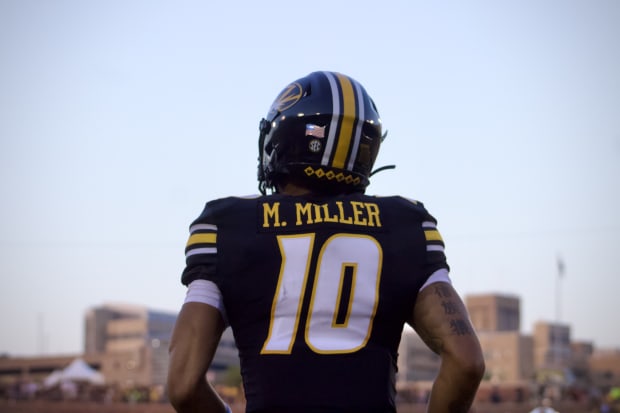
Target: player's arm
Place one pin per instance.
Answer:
(195, 337)
(442, 321)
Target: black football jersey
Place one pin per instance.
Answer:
(316, 291)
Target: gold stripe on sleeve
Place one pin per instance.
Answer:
(210, 238)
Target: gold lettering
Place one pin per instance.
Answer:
(273, 212)
(373, 214)
(308, 213)
(303, 209)
(358, 210)
(326, 217)
(317, 214)
(343, 220)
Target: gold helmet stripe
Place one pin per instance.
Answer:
(344, 116)
(348, 117)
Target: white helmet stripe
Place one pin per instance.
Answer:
(331, 137)
(358, 127)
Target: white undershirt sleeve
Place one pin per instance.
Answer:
(441, 275)
(207, 292)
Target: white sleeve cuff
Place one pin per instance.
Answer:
(441, 275)
(207, 292)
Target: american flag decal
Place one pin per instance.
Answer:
(314, 130)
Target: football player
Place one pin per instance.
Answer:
(316, 278)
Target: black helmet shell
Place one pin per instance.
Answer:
(323, 130)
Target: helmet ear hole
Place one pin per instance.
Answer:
(268, 147)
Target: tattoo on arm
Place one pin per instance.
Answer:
(450, 308)
(442, 291)
(458, 325)
(453, 322)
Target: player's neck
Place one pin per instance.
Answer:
(294, 190)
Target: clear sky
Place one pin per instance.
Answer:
(120, 119)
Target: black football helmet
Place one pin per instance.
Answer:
(323, 131)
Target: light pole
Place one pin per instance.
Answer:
(560, 275)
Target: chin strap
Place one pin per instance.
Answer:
(383, 168)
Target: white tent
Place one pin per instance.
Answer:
(78, 370)
(53, 378)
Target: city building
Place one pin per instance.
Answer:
(507, 352)
(494, 312)
(416, 362)
(129, 344)
(552, 346)
(581, 354)
(604, 367)
(508, 356)
(135, 340)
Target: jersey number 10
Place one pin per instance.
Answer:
(344, 296)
